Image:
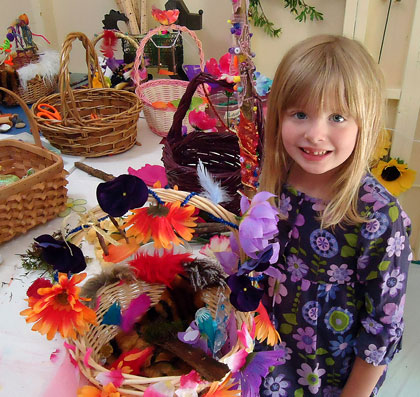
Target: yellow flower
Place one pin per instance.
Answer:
(384, 145)
(394, 175)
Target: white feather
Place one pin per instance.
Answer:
(211, 188)
(47, 67)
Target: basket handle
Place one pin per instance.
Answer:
(33, 125)
(119, 35)
(68, 103)
(175, 133)
(140, 50)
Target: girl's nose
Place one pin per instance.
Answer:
(316, 131)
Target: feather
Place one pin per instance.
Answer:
(211, 188)
(134, 311)
(108, 44)
(205, 273)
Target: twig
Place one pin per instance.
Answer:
(94, 171)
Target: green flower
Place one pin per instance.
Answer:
(338, 320)
(75, 205)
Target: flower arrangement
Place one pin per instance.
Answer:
(164, 311)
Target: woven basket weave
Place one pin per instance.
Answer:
(97, 336)
(113, 127)
(37, 198)
(162, 90)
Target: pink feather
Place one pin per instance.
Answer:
(134, 311)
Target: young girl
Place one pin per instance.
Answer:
(339, 294)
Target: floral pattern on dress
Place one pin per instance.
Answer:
(337, 294)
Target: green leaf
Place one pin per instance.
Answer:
(299, 392)
(302, 356)
(285, 329)
(372, 275)
(393, 213)
(293, 250)
(384, 265)
(311, 356)
(329, 361)
(351, 239)
(302, 251)
(347, 251)
(290, 318)
(321, 351)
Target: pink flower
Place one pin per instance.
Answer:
(150, 174)
(216, 244)
(202, 120)
(223, 70)
(115, 377)
(306, 339)
(310, 377)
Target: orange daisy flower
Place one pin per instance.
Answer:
(91, 391)
(163, 223)
(264, 328)
(227, 388)
(58, 309)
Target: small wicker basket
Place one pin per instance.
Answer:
(37, 198)
(97, 336)
(95, 121)
(163, 90)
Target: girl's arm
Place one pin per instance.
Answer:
(363, 378)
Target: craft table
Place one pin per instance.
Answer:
(30, 365)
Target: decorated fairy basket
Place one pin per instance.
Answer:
(157, 320)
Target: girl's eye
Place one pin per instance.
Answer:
(300, 115)
(337, 118)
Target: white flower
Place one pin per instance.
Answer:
(374, 355)
(395, 245)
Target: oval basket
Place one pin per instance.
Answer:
(163, 90)
(36, 198)
(97, 336)
(95, 121)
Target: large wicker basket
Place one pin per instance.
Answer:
(218, 151)
(159, 120)
(97, 336)
(37, 198)
(35, 88)
(95, 121)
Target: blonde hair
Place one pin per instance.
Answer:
(318, 72)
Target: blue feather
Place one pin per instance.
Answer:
(211, 188)
(206, 325)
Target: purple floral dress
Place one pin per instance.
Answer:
(337, 294)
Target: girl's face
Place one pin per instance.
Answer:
(318, 142)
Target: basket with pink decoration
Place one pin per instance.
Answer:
(159, 97)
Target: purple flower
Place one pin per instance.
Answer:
(396, 331)
(327, 290)
(287, 352)
(260, 264)
(229, 259)
(258, 226)
(300, 221)
(123, 193)
(340, 274)
(296, 267)
(63, 256)
(375, 227)
(310, 377)
(393, 282)
(276, 288)
(323, 243)
(395, 245)
(244, 296)
(331, 391)
(362, 261)
(311, 311)
(393, 312)
(256, 368)
(306, 339)
(276, 386)
(372, 326)
(285, 205)
(342, 346)
(374, 355)
(375, 194)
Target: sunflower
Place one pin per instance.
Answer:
(57, 308)
(382, 149)
(394, 175)
(163, 223)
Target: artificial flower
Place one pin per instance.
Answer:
(132, 361)
(117, 253)
(262, 84)
(91, 391)
(32, 291)
(202, 121)
(382, 150)
(58, 309)
(260, 264)
(161, 267)
(224, 69)
(167, 17)
(229, 259)
(150, 174)
(394, 175)
(76, 205)
(265, 329)
(61, 255)
(216, 244)
(123, 193)
(135, 310)
(227, 388)
(244, 296)
(258, 226)
(163, 223)
(114, 376)
(160, 389)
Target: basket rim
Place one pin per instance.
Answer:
(161, 82)
(39, 176)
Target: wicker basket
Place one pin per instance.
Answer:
(163, 90)
(35, 88)
(95, 121)
(37, 198)
(97, 336)
(218, 151)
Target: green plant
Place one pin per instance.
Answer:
(299, 8)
